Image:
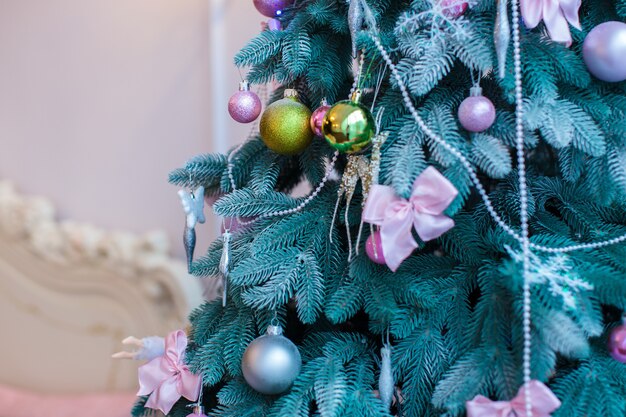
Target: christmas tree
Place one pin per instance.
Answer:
(462, 247)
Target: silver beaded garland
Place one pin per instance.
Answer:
(271, 363)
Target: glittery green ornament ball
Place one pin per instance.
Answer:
(285, 125)
(349, 126)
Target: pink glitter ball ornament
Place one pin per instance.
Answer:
(244, 106)
(477, 113)
(374, 248)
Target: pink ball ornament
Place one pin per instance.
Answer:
(272, 8)
(604, 51)
(617, 343)
(374, 248)
(477, 113)
(244, 106)
(453, 8)
(317, 118)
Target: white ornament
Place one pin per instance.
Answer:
(386, 385)
(193, 204)
(148, 348)
(225, 264)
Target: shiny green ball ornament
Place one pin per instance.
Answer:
(348, 125)
(285, 125)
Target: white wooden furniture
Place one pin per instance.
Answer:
(69, 293)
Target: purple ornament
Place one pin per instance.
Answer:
(477, 113)
(453, 8)
(274, 25)
(272, 8)
(604, 51)
(317, 118)
(244, 106)
(374, 248)
(617, 343)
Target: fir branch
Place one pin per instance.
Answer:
(309, 289)
(245, 203)
(296, 52)
(205, 170)
(491, 156)
(422, 74)
(266, 45)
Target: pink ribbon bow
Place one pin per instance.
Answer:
(544, 403)
(432, 194)
(167, 378)
(555, 14)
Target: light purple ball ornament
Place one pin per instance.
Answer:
(617, 343)
(272, 8)
(604, 51)
(244, 106)
(477, 113)
(374, 248)
(317, 118)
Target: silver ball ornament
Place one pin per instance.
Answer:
(271, 363)
(604, 51)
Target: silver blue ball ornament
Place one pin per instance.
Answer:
(271, 363)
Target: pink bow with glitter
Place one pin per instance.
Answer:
(555, 14)
(544, 403)
(167, 378)
(432, 194)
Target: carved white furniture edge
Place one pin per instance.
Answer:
(70, 292)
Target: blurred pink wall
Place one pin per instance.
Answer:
(99, 100)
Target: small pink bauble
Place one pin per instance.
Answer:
(244, 106)
(453, 8)
(374, 248)
(477, 113)
(317, 118)
(617, 343)
(272, 8)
